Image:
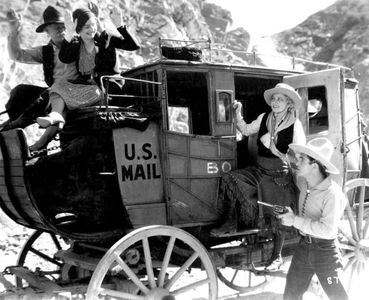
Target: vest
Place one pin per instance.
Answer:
(48, 63)
(285, 137)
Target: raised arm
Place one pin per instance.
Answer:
(28, 56)
(69, 49)
(129, 42)
(242, 126)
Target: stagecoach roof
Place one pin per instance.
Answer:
(168, 63)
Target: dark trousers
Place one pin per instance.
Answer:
(322, 258)
(25, 104)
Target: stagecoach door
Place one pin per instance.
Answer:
(200, 144)
(331, 109)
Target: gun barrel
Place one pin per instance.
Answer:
(266, 204)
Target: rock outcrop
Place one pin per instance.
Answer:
(337, 35)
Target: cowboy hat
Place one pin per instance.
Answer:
(320, 149)
(285, 89)
(51, 16)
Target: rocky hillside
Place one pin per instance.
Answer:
(338, 35)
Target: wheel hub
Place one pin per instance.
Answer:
(159, 294)
(362, 250)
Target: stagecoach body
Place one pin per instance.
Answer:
(157, 159)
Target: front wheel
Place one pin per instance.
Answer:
(134, 267)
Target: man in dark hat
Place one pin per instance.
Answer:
(26, 102)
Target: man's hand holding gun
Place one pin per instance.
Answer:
(284, 213)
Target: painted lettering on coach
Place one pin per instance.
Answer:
(145, 167)
(137, 157)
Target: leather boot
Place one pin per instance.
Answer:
(276, 260)
(230, 225)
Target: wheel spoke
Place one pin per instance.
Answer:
(366, 226)
(234, 276)
(347, 246)
(56, 242)
(178, 274)
(119, 294)
(45, 257)
(190, 287)
(148, 262)
(352, 223)
(164, 265)
(130, 273)
(349, 237)
(350, 261)
(353, 268)
(360, 212)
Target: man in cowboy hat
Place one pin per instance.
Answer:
(321, 205)
(26, 102)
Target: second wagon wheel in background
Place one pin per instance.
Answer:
(354, 237)
(37, 254)
(134, 269)
(241, 277)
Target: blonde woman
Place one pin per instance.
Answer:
(270, 180)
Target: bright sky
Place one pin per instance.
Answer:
(265, 17)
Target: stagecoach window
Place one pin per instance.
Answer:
(189, 90)
(317, 110)
(224, 103)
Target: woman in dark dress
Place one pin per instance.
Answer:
(270, 180)
(94, 54)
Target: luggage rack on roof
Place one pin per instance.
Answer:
(206, 51)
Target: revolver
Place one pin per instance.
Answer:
(277, 209)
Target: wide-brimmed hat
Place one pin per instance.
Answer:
(51, 16)
(320, 149)
(285, 89)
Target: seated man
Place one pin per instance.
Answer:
(28, 101)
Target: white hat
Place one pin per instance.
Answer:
(285, 89)
(321, 149)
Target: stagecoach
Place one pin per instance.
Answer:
(127, 199)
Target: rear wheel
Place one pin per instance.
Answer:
(242, 280)
(37, 255)
(354, 238)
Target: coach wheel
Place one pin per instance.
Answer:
(146, 273)
(38, 255)
(242, 280)
(354, 237)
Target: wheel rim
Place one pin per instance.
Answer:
(42, 260)
(169, 282)
(354, 237)
(242, 280)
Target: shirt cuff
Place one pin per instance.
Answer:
(298, 222)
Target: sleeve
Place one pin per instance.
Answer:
(298, 133)
(249, 129)
(69, 51)
(27, 56)
(128, 42)
(327, 224)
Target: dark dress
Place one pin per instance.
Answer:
(270, 180)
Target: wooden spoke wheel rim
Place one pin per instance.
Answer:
(354, 236)
(159, 286)
(46, 263)
(242, 280)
